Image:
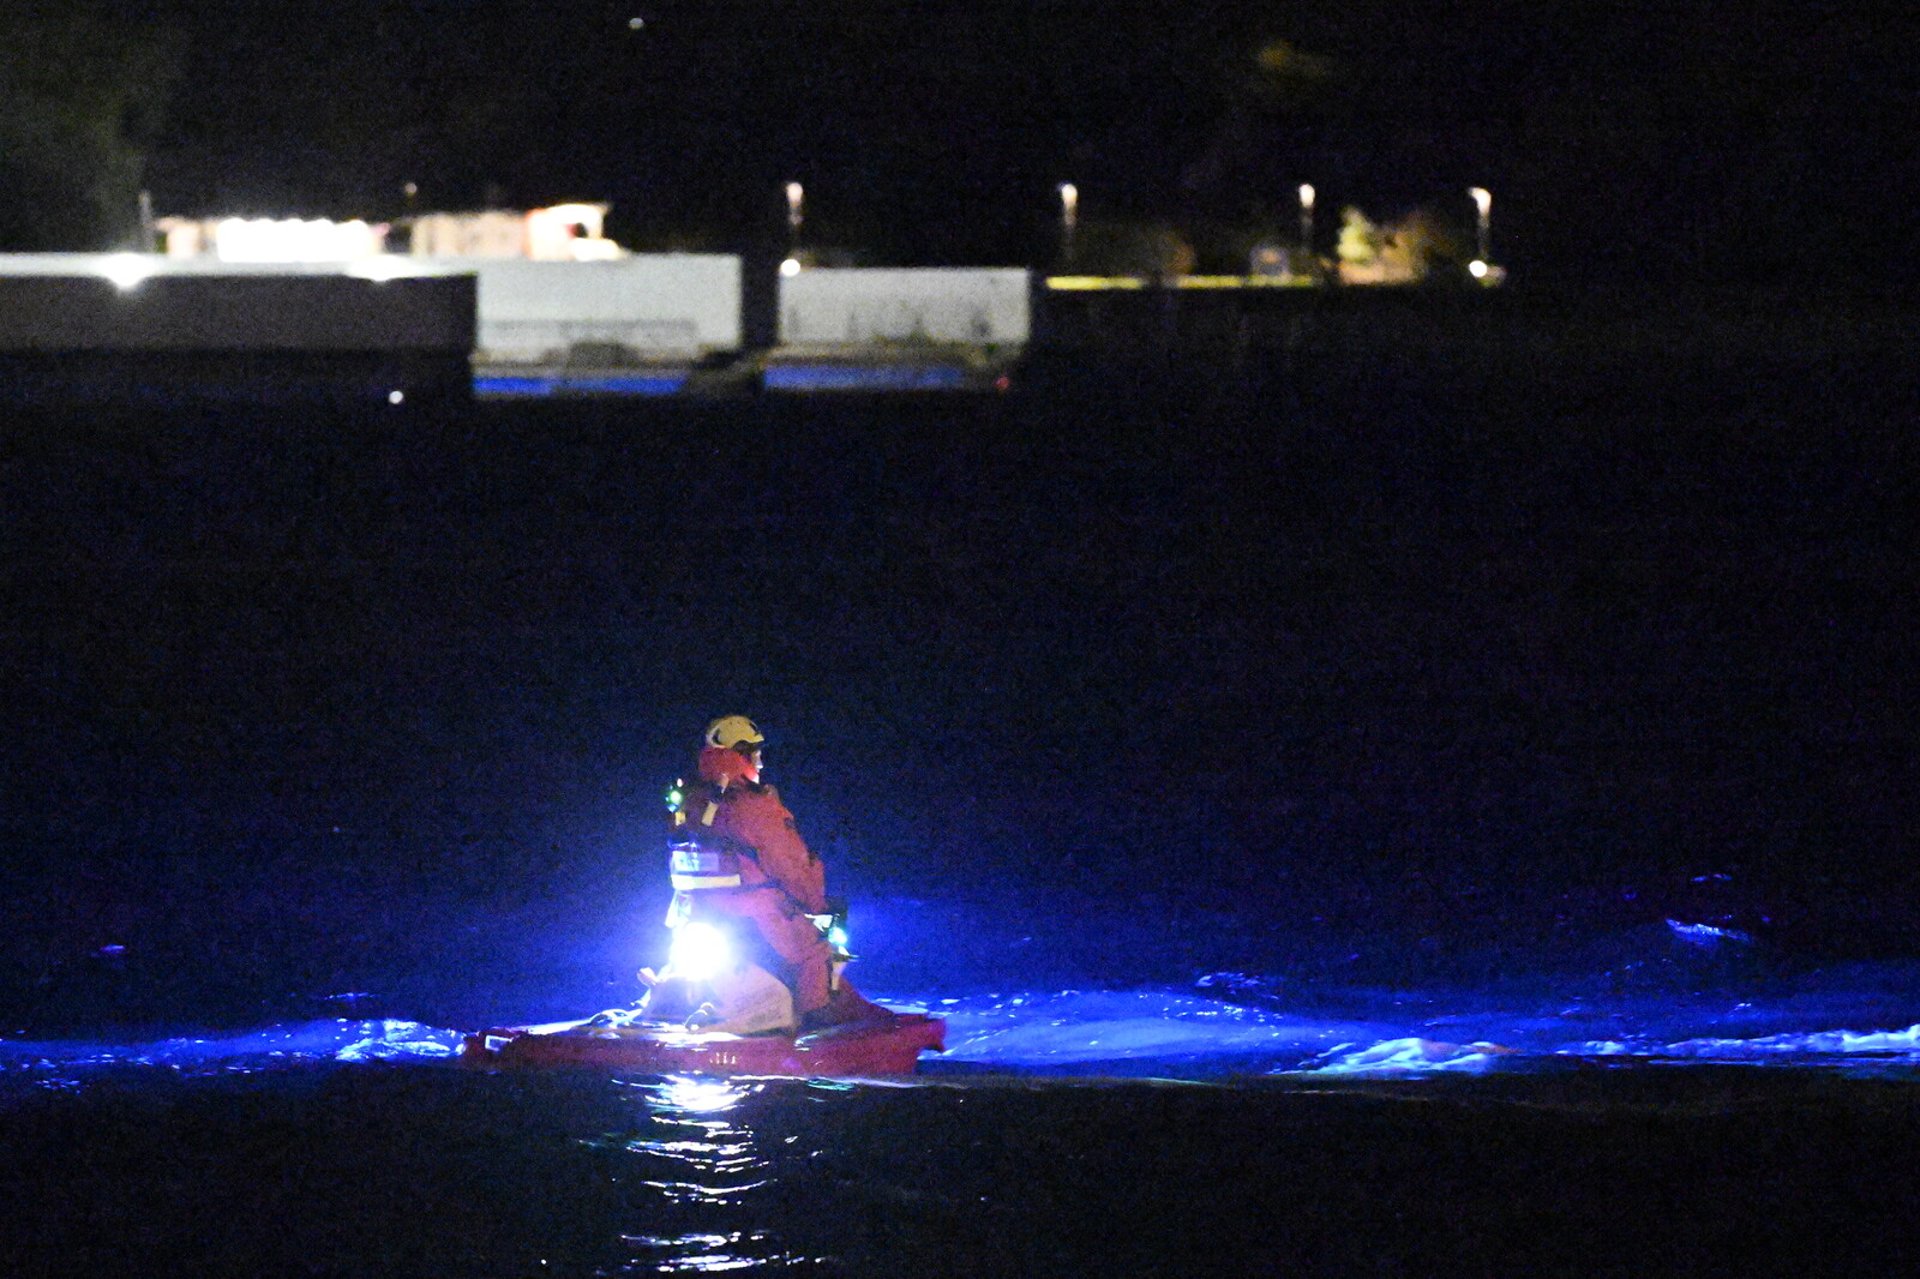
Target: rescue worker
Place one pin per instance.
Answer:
(737, 858)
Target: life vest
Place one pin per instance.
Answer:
(735, 852)
(694, 868)
(702, 859)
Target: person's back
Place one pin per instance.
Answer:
(737, 856)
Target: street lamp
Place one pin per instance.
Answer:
(1306, 218)
(796, 198)
(1069, 219)
(1483, 202)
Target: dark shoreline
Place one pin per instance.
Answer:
(1335, 342)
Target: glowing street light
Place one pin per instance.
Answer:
(127, 270)
(1069, 218)
(1306, 217)
(796, 214)
(1483, 202)
(796, 205)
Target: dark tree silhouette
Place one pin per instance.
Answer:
(81, 99)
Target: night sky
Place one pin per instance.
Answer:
(1727, 142)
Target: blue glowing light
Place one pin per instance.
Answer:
(700, 952)
(866, 377)
(505, 386)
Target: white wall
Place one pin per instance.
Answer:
(70, 302)
(836, 306)
(670, 305)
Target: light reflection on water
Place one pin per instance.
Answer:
(697, 1254)
(687, 1095)
(701, 1158)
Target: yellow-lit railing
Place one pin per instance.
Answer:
(1102, 283)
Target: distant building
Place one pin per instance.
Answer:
(270, 239)
(558, 233)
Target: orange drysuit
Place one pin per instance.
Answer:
(736, 853)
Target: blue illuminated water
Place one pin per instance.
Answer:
(1672, 1002)
(1158, 1033)
(1041, 1137)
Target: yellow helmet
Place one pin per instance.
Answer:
(733, 730)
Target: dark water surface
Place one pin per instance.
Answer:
(1291, 717)
(423, 1171)
(1453, 661)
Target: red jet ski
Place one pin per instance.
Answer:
(872, 1045)
(715, 1012)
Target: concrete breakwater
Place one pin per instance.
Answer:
(397, 328)
(68, 332)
